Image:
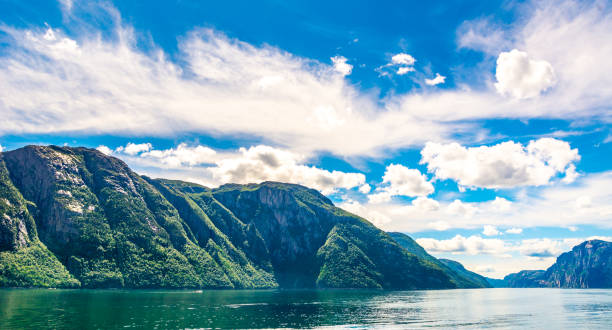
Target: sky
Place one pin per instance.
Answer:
(480, 128)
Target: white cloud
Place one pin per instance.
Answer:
(402, 70)
(1, 148)
(133, 149)
(501, 204)
(377, 218)
(514, 231)
(547, 30)
(66, 5)
(544, 206)
(341, 65)
(406, 181)
(482, 34)
(489, 230)
(262, 163)
(473, 245)
(182, 155)
(402, 63)
(542, 248)
(435, 81)
(584, 202)
(458, 208)
(399, 180)
(364, 189)
(521, 77)
(59, 84)
(201, 164)
(403, 59)
(51, 83)
(425, 204)
(570, 174)
(505, 165)
(105, 150)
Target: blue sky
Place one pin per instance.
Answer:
(481, 128)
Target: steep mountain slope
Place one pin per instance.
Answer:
(462, 277)
(76, 217)
(588, 265)
(481, 281)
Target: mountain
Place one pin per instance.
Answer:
(74, 217)
(526, 279)
(462, 277)
(481, 281)
(588, 265)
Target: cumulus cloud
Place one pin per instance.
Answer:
(210, 167)
(341, 65)
(504, 165)
(439, 79)
(543, 206)
(473, 245)
(364, 189)
(399, 180)
(404, 69)
(377, 218)
(402, 63)
(261, 163)
(425, 204)
(458, 208)
(403, 59)
(105, 150)
(521, 77)
(1, 148)
(133, 149)
(541, 248)
(501, 204)
(182, 155)
(489, 230)
(514, 231)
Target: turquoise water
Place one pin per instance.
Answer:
(481, 308)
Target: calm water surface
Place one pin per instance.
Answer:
(482, 308)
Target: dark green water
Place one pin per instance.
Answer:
(485, 308)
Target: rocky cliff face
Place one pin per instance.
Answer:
(588, 265)
(75, 217)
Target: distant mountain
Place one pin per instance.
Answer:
(526, 279)
(459, 275)
(588, 265)
(74, 217)
(497, 283)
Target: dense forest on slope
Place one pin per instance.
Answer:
(74, 217)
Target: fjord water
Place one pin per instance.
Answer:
(476, 308)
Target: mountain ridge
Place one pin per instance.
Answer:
(74, 217)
